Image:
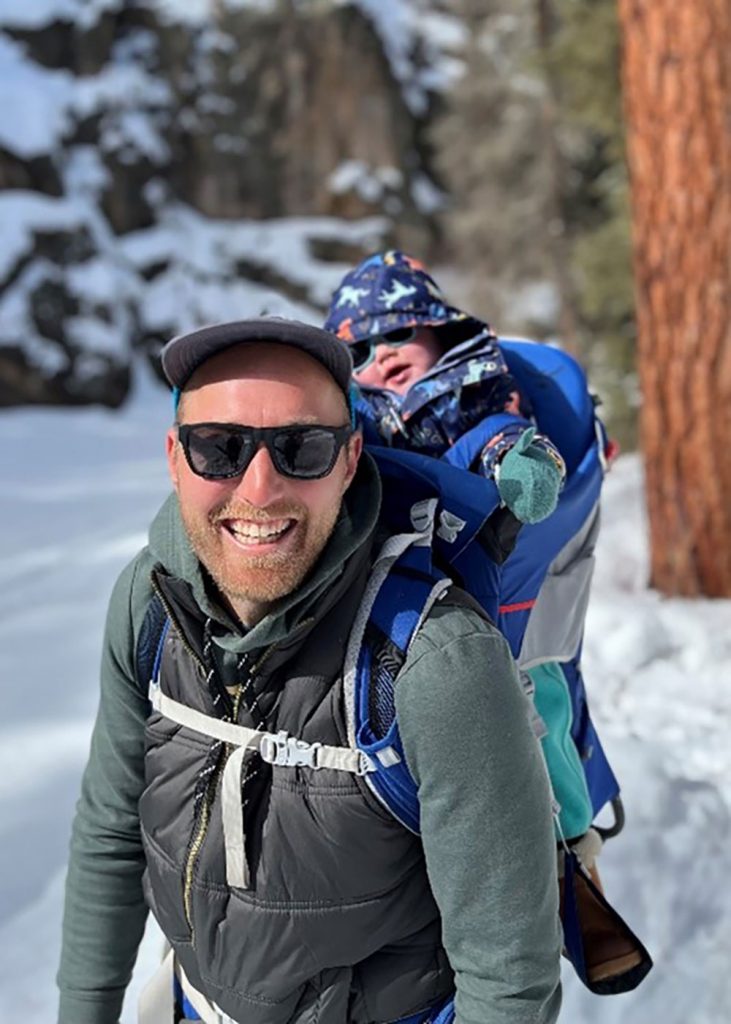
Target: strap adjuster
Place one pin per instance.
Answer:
(287, 751)
(365, 764)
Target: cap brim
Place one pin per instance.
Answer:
(185, 353)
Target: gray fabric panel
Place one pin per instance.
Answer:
(556, 624)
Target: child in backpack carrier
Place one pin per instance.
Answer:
(432, 378)
(429, 373)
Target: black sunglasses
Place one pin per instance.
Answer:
(364, 352)
(220, 450)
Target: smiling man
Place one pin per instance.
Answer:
(259, 532)
(227, 796)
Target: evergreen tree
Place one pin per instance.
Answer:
(584, 58)
(487, 154)
(531, 150)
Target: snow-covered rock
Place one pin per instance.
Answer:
(166, 126)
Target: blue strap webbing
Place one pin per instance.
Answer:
(158, 653)
(184, 1004)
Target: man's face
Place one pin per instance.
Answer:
(398, 366)
(260, 533)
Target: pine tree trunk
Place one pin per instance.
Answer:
(677, 94)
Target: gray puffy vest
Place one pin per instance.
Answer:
(338, 923)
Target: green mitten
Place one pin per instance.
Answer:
(529, 480)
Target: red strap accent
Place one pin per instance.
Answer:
(611, 450)
(522, 606)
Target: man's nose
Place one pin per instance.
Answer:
(260, 484)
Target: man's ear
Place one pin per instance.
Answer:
(353, 451)
(172, 452)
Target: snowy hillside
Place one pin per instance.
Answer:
(79, 489)
(143, 146)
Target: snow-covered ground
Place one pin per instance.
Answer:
(79, 488)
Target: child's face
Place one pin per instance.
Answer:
(399, 364)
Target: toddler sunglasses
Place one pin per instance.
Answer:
(364, 352)
(217, 451)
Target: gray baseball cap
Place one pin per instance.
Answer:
(185, 353)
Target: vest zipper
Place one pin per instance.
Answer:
(200, 825)
(193, 851)
(204, 814)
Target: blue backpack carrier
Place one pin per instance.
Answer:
(457, 507)
(518, 592)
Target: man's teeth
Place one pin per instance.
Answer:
(260, 531)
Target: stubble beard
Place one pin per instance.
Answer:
(252, 579)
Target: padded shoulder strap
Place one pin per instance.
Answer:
(403, 590)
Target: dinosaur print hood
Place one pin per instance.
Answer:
(391, 290)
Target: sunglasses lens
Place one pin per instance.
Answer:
(361, 353)
(400, 336)
(307, 453)
(364, 351)
(217, 453)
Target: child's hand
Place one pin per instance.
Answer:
(529, 480)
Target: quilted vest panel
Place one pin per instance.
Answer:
(339, 923)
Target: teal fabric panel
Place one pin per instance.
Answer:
(553, 704)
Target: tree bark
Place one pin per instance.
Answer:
(677, 95)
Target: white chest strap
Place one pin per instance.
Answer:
(279, 749)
